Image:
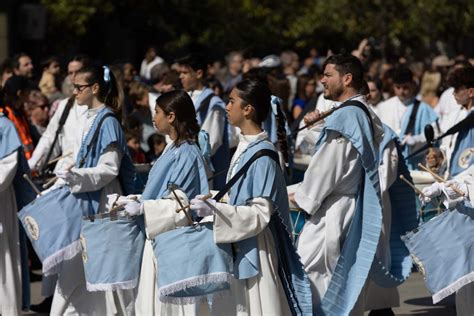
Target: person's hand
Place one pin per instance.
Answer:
(202, 208)
(66, 175)
(132, 206)
(312, 117)
(408, 140)
(453, 189)
(434, 190)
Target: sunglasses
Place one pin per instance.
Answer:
(81, 87)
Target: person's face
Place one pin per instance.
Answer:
(332, 82)
(463, 95)
(310, 88)
(374, 94)
(150, 54)
(84, 91)
(25, 67)
(158, 148)
(236, 112)
(189, 78)
(235, 65)
(162, 121)
(404, 91)
(54, 68)
(143, 101)
(72, 68)
(128, 72)
(133, 143)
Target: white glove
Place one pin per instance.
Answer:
(203, 208)
(115, 199)
(434, 190)
(408, 140)
(66, 175)
(450, 193)
(133, 207)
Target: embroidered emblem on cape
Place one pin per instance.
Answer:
(82, 240)
(32, 227)
(465, 158)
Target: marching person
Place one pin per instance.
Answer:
(181, 164)
(251, 221)
(346, 154)
(103, 166)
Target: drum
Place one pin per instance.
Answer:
(442, 250)
(53, 225)
(112, 250)
(191, 266)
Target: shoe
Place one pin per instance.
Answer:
(44, 307)
(382, 312)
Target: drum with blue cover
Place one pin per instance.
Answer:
(53, 225)
(112, 250)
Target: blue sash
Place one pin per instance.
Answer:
(442, 249)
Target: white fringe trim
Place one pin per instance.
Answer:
(125, 285)
(51, 263)
(453, 287)
(194, 281)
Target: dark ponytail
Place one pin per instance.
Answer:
(281, 134)
(185, 123)
(110, 91)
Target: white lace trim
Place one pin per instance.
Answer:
(125, 285)
(453, 287)
(52, 263)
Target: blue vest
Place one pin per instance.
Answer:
(463, 153)
(221, 159)
(110, 133)
(265, 179)
(358, 250)
(9, 143)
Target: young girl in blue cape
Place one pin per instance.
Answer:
(254, 219)
(182, 165)
(102, 166)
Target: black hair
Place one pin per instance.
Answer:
(11, 88)
(16, 59)
(155, 139)
(195, 61)
(348, 64)
(48, 61)
(110, 92)
(83, 59)
(402, 75)
(185, 123)
(258, 94)
(462, 77)
(377, 82)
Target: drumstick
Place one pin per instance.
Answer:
(191, 222)
(205, 197)
(33, 186)
(440, 179)
(58, 158)
(411, 185)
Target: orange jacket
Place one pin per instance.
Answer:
(23, 130)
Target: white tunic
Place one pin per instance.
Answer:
(391, 112)
(10, 262)
(71, 296)
(446, 104)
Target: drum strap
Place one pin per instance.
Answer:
(94, 138)
(261, 153)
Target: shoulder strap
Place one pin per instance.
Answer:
(94, 138)
(62, 120)
(411, 123)
(261, 153)
(204, 107)
(361, 106)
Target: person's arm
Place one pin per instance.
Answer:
(8, 166)
(95, 178)
(325, 171)
(235, 223)
(214, 124)
(389, 168)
